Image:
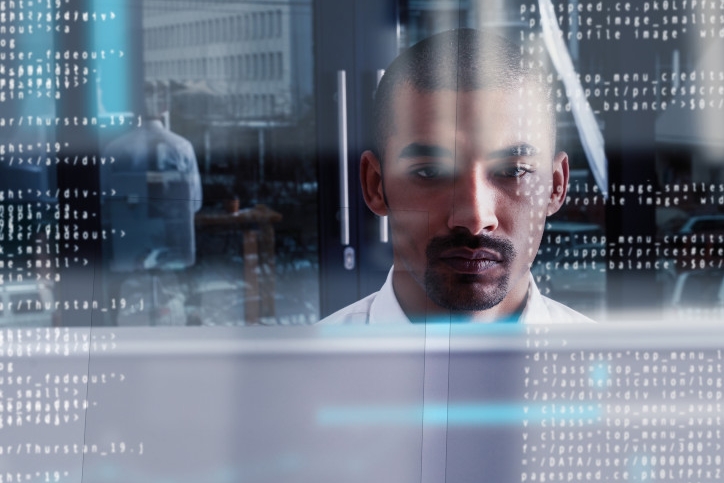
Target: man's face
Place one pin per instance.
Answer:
(467, 181)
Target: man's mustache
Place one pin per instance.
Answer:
(464, 239)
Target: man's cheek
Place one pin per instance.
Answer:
(537, 191)
(530, 249)
(532, 224)
(410, 223)
(537, 198)
(410, 230)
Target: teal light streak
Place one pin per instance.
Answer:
(433, 328)
(599, 375)
(111, 75)
(455, 414)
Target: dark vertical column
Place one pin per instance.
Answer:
(77, 170)
(630, 147)
(134, 47)
(334, 40)
(359, 37)
(375, 49)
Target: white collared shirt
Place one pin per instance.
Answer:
(383, 308)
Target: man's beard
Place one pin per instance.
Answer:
(462, 292)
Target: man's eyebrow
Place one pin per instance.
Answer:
(417, 150)
(515, 151)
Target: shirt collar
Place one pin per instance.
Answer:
(535, 311)
(385, 308)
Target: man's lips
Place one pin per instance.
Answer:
(465, 254)
(470, 261)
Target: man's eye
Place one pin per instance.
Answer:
(516, 171)
(428, 172)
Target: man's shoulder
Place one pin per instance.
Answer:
(543, 310)
(383, 307)
(380, 307)
(356, 313)
(558, 313)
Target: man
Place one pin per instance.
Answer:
(465, 167)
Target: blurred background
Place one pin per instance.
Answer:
(193, 164)
(169, 162)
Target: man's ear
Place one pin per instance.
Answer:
(560, 183)
(370, 174)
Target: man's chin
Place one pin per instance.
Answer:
(465, 292)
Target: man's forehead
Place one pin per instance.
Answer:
(526, 98)
(508, 112)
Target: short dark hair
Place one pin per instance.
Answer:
(461, 60)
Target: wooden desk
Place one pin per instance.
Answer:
(257, 230)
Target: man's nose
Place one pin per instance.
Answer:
(473, 204)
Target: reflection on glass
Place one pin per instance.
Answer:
(235, 80)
